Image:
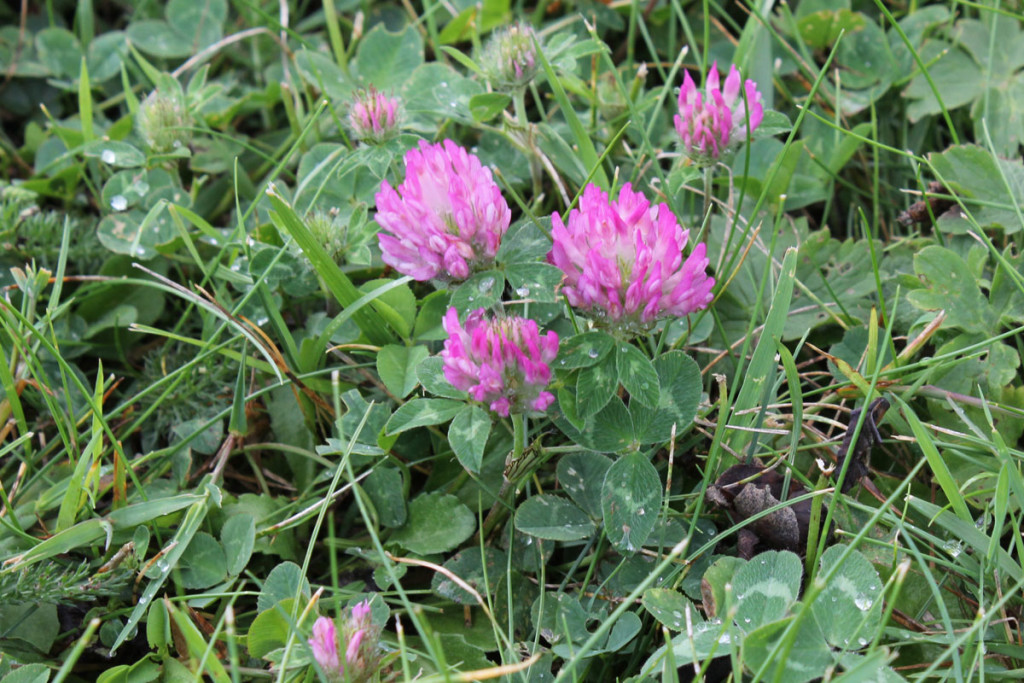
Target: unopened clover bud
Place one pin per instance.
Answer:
(163, 120)
(374, 117)
(327, 230)
(510, 58)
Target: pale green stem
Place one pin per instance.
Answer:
(709, 175)
(518, 435)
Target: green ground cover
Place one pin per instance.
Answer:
(523, 341)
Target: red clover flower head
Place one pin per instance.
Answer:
(360, 637)
(447, 217)
(623, 261)
(374, 116)
(324, 644)
(502, 362)
(712, 122)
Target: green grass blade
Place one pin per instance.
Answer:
(762, 362)
(584, 145)
(85, 104)
(346, 293)
(937, 464)
(179, 544)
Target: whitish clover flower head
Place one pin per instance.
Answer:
(328, 231)
(359, 636)
(502, 362)
(446, 219)
(510, 59)
(623, 262)
(710, 123)
(374, 116)
(163, 120)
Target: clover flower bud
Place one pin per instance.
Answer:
(713, 122)
(362, 656)
(502, 362)
(623, 262)
(446, 219)
(324, 644)
(163, 120)
(328, 231)
(374, 117)
(510, 58)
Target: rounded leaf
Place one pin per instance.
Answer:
(669, 607)
(805, 660)
(850, 606)
(553, 518)
(630, 500)
(483, 571)
(637, 375)
(385, 489)
(581, 475)
(468, 436)
(766, 587)
(681, 385)
(238, 536)
(437, 523)
(204, 564)
(397, 366)
(284, 581)
(583, 350)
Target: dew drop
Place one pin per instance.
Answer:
(523, 291)
(108, 156)
(118, 202)
(485, 285)
(863, 603)
(592, 353)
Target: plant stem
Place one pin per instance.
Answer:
(504, 499)
(518, 435)
(708, 177)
